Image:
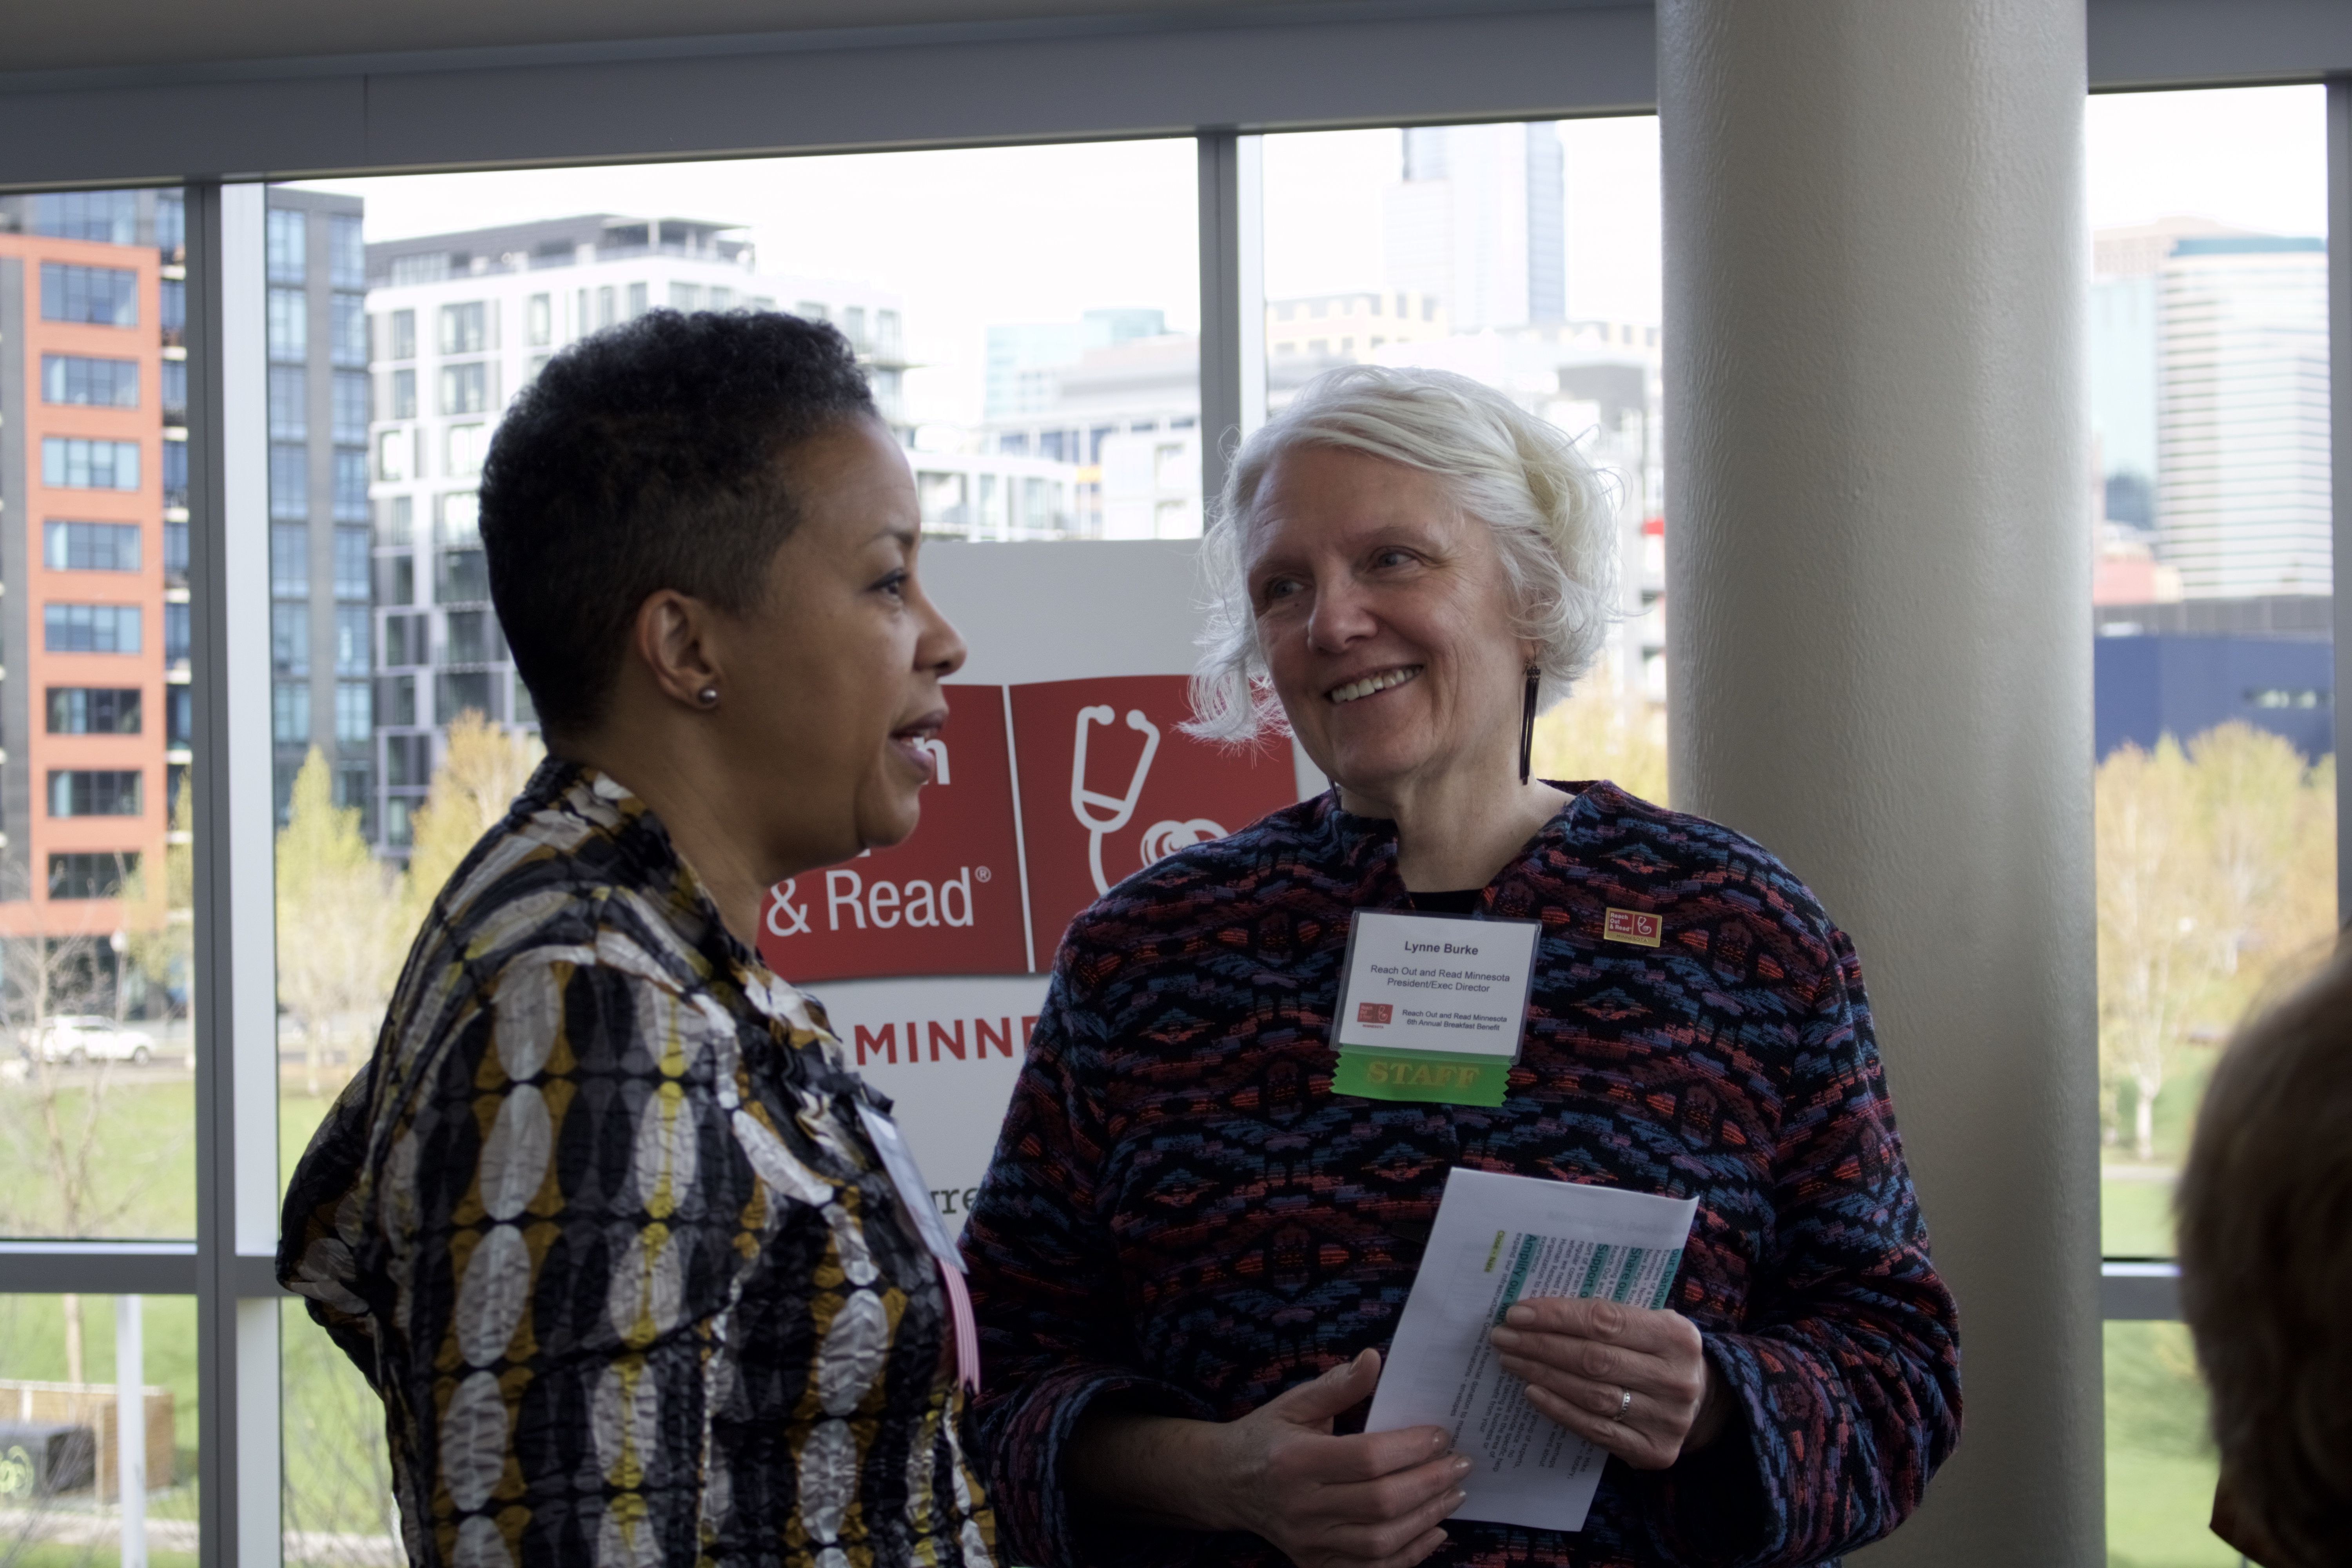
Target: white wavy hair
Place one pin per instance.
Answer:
(1553, 519)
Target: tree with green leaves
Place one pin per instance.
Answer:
(336, 917)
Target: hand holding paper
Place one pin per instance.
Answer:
(1501, 1241)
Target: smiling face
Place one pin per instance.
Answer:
(833, 683)
(1385, 617)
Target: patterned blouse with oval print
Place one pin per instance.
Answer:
(600, 1223)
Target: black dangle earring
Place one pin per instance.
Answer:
(1527, 726)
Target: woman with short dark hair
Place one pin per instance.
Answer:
(2265, 1203)
(608, 1221)
(1201, 1226)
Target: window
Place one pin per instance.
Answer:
(685, 296)
(468, 638)
(289, 714)
(99, 383)
(176, 391)
(721, 297)
(68, 462)
(400, 708)
(354, 713)
(290, 403)
(352, 400)
(886, 334)
(290, 325)
(289, 637)
(461, 694)
(175, 632)
(465, 388)
(404, 394)
(461, 521)
(78, 792)
(172, 307)
(89, 628)
(463, 449)
(397, 830)
(399, 580)
(89, 546)
(355, 787)
(179, 718)
(465, 578)
(111, 218)
(352, 548)
(392, 455)
(97, 296)
(347, 343)
(175, 551)
(352, 640)
(351, 484)
(99, 876)
(289, 481)
(403, 336)
(396, 520)
(289, 561)
(636, 300)
(810, 311)
(286, 246)
(346, 251)
(539, 321)
(176, 468)
(465, 329)
(604, 305)
(93, 709)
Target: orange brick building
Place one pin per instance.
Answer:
(92, 717)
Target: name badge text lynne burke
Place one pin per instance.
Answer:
(1633, 926)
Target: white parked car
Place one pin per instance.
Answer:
(81, 1037)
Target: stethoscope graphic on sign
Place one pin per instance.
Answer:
(1161, 838)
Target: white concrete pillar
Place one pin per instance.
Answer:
(1878, 562)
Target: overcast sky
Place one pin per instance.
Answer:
(975, 237)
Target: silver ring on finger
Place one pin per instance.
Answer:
(1624, 1403)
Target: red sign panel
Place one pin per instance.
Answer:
(947, 901)
(1109, 784)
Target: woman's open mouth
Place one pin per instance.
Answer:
(917, 742)
(1371, 685)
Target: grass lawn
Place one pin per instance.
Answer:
(141, 1160)
(2160, 1465)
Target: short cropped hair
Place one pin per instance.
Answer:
(649, 456)
(1553, 519)
(2265, 1211)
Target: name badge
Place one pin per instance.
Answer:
(915, 1196)
(1433, 1007)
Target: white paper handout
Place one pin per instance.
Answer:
(1500, 1240)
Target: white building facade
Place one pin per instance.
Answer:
(2243, 499)
(458, 324)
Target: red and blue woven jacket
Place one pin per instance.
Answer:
(1184, 1217)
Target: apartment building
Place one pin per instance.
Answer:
(458, 323)
(320, 638)
(93, 476)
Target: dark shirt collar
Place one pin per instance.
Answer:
(1367, 846)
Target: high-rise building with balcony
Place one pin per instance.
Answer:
(458, 323)
(321, 635)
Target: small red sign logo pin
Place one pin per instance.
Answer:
(1632, 925)
(1374, 1012)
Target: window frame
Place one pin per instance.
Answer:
(870, 91)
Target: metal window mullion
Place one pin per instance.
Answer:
(236, 958)
(1233, 301)
(2340, 441)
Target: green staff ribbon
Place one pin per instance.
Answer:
(1445, 1077)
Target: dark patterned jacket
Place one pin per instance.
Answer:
(600, 1223)
(1183, 1214)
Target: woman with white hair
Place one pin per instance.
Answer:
(1200, 1225)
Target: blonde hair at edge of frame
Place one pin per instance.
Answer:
(1553, 516)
